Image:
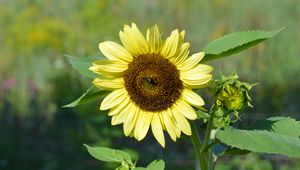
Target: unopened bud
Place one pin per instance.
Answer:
(232, 96)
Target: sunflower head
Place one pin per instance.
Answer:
(151, 82)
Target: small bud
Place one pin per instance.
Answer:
(232, 96)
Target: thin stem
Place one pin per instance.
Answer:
(198, 146)
(211, 145)
(210, 160)
(208, 129)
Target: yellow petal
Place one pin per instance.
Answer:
(179, 53)
(191, 61)
(139, 123)
(117, 109)
(142, 125)
(177, 129)
(185, 109)
(199, 69)
(130, 46)
(145, 127)
(130, 121)
(192, 98)
(160, 115)
(182, 34)
(195, 81)
(169, 125)
(157, 130)
(114, 51)
(140, 39)
(108, 67)
(182, 123)
(109, 84)
(113, 99)
(182, 55)
(171, 47)
(180, 41)
(154, 39)
(133, 40)
(121, 117)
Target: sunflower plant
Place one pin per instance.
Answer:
(147, 84)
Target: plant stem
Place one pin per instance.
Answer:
(198, 147)
(211, 145)
(208, 129)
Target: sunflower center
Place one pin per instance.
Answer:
(152, 82)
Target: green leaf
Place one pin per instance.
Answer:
(260, 141)
(156, 165)
(122, 168)
(82, 64)
(91, 94)
(235, 42)
(109, 155)
(280, 125)
(236, 151)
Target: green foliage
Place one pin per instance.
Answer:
(235, 151)
(121, 157)
(247, 162)
(280, 125)
(235, 42)
(202, 115)
(82, 64)
(154, 165)
(110, 155)
(90, 95)
(260, 141)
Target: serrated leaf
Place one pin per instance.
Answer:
(82, 64)
(109, 155)
(235, 42)
(281, 125)
(156, 165)
(91, 94)
(260, 141)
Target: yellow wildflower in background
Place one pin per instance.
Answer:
(151, 82)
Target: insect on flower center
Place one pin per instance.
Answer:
(152, 82)
(149, 82)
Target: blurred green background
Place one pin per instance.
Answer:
(36, 79)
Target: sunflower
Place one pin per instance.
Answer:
(152, 82)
